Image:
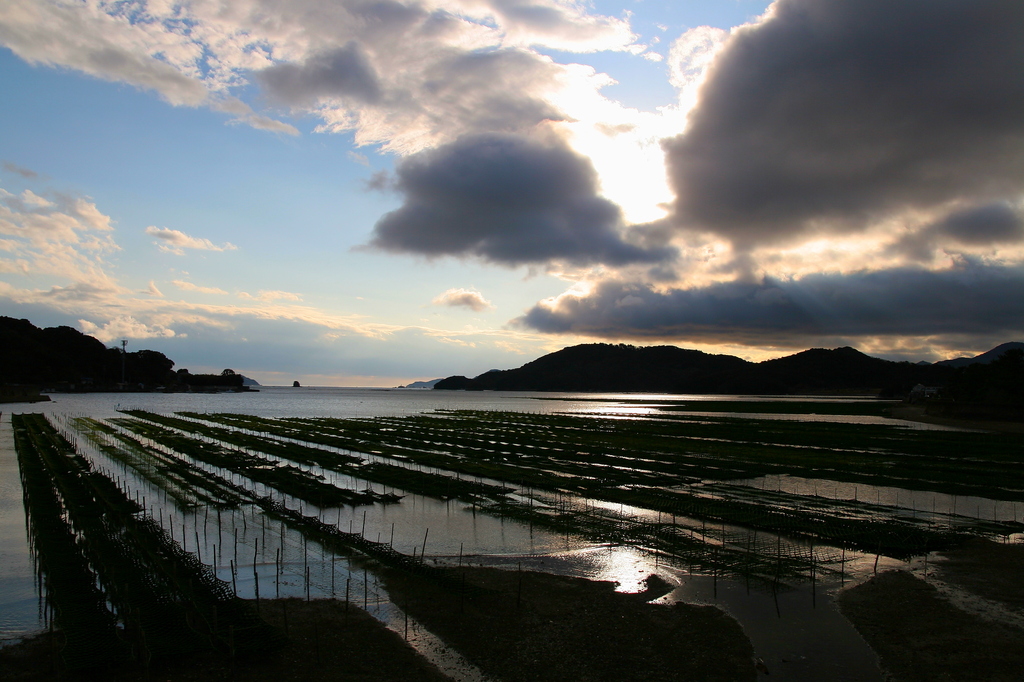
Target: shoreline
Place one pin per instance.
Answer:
(916, 413)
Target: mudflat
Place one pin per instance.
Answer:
(513, 626)
(517, 626)
(923, 635)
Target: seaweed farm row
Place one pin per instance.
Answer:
(684, 467)
(770, 502)
(117, 584)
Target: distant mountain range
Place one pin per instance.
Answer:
(602, 367)
(422, 384)
(984, 358)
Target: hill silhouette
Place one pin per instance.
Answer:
(601, 367)
(985, 358)
(65, 359)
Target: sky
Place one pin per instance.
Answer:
(373, 192)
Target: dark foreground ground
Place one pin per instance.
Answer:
(531, 626)
(542, 628)
(921, 636)
(534, 626)
(917, 413)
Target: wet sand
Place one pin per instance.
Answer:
(519, 626)
(922, 634)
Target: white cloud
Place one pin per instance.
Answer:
(405, 76)
(269, 296)
(176, 241)
(185, 285)
(358, 158)
(125, 327)
(58, 237)
(152, 290)
(243, 113)
(456, 342)
(691, 56)
(464, 298)
(101, 40)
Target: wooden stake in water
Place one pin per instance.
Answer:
(256, 580)
(519, 590)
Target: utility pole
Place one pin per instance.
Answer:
(124, 352)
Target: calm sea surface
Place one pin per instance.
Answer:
(450, 531)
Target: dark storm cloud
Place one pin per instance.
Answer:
(968, 300)
(983, 225)
(990, 225)
(509, 200)
(344, 72)
(836, 113)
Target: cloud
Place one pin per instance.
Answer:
(978, 227)
(125, 327)
(105, 45)
(506, 199)
(26, 173)
(559, 25)
(345, 72)
(509, 347)
(692, 53)
(57, 237)
(970, 299)
(176, 241)
(81, 292)
(405, 75)
(456, 342)
(464, 298)
(152, 290)
(243, 113)
(983, 225)
(268, 296)
(185, 285)
(434, 94)
(829, 117)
